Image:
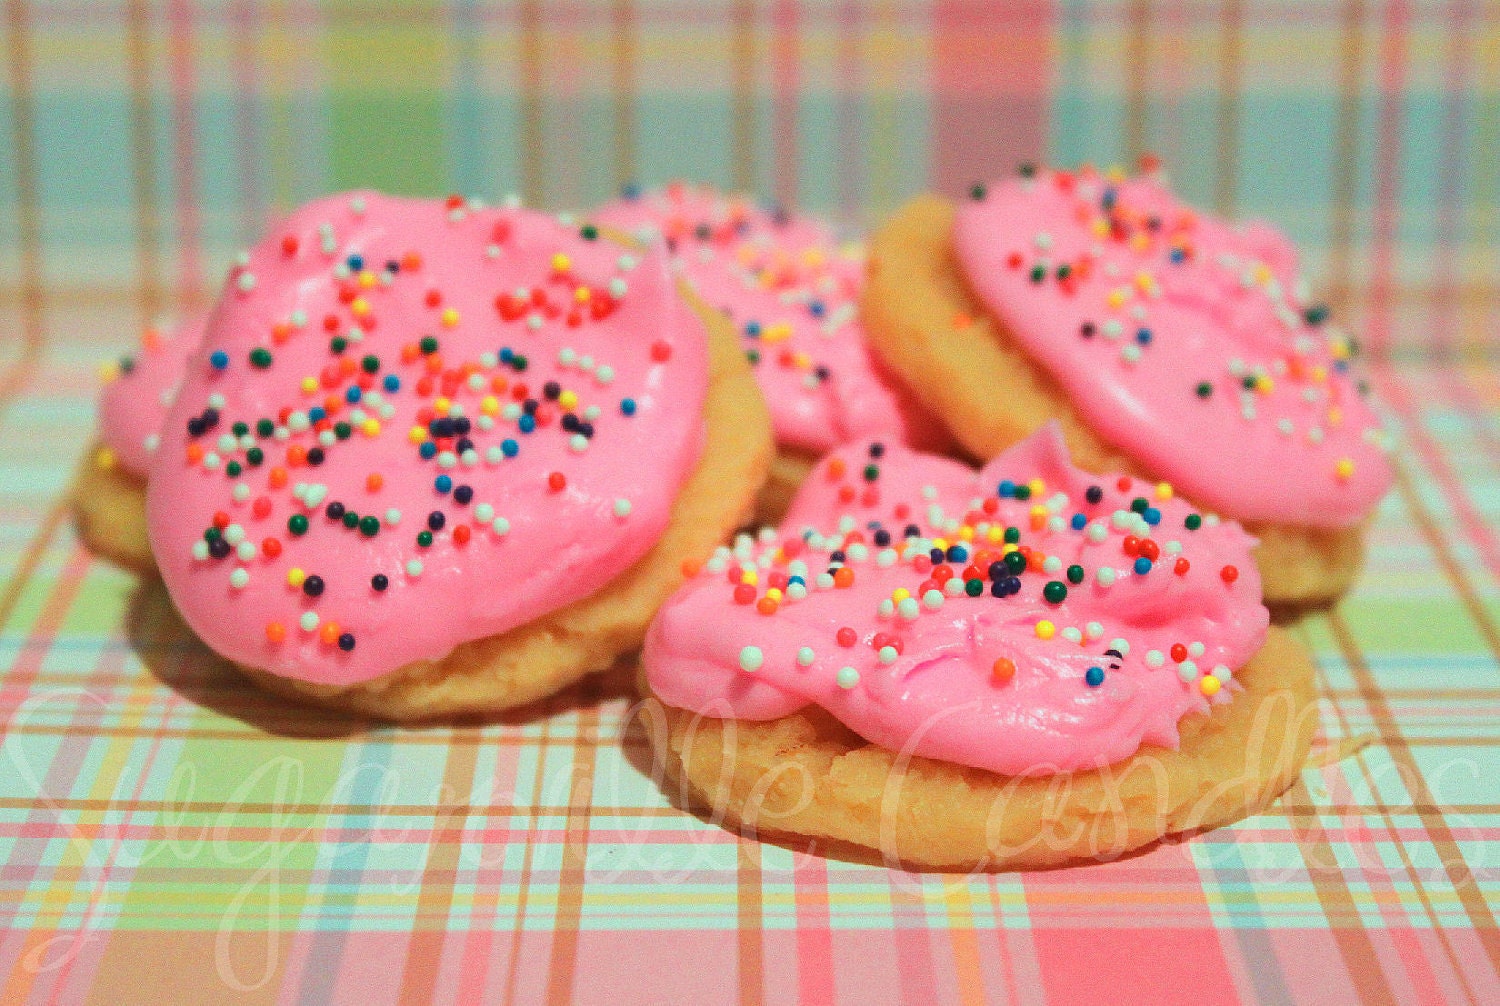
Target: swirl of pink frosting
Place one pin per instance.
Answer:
(414, 423)
(792, 294)
(1124, 611)
(1182, 340)
(134, 404)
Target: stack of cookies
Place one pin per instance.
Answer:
(428, 458)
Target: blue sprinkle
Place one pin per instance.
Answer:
(817, 309)
(1152, 516)
(427, 450)
(356, 262)
(442, 483)
(507, 354)
(1079, 522)
(1143, 565)
(752, 329)
(627, 406)
(1007, 489)
(526, 423)
(1177, 255)
(957, 553)
(1342, 366)
(392, 382)
(795, 579)
(1094, 676)
(316, 413)
(1143, 336)
(631, 191)
(219, 359)
(1108, 202)
(510, 448)
(353, 394)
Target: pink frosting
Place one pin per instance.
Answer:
(1132, 301)
(476, 315)
(134, 404)
(936, 691)
(792, 294)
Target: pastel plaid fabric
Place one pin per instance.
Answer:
(169, 834)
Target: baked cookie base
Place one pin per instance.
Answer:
(541, 657)
(109, 512)
(789, 469)
(967, 369)
(808, 777)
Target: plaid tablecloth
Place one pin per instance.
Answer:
(169, 834)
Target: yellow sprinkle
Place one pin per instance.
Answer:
(1261, 273)
(966, 533)
(561, 262)
(1208, 684)
(1319, 374)
(1037, 487)
(802, 361)
(371, 427)
(309, 385)
(1140, 243)
(1144, 281)
(900, 594)
(359, 306)
(1101, 228)
(1335, 416)
(105, 458)
(778, 332)
(568, 399)
(489, 405)
(1037, 510)
(581, 295)
(1045, 629)
(366, 279)
(1115, 173)
(1344, 469)
(813, 257)
(109, 371)
(995, 533)
(774, 594)
(1009, 546)
(417, 434)
(1116, 298)
(1163, 490)
(1264, 384)
(295, 576)
(941, 543)
(449, 317)
(441, 405)
(749, 576)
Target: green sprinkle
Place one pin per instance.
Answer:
(589, 232)
(342, 430)
(428, 345)
(1075, 574)
(1016, 563)
(1012, 535)
(212, 534)
(255, 456)
(297, 524)
(264, 427)
(351, 519)
(973, 587)
(1193, 522)
(753, 355)
(1140, 504)
(338, 344)
(1056, 592)
(370, 364)
(260, 357)
(233, 469)
(977, 192)
(424, 538)
(240, 429)
(369, 526)
(1204, 389)
(1023, 492)
(871, 473)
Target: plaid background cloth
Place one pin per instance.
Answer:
(168, 833)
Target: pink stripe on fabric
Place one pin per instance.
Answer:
(1393, 55)
(1311, 965)
(1121, 965)
(785, 99)
(814, 941)
(184, 156)
(991, 89)
(667, 966)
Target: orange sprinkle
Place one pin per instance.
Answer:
(296, 455)
(374, 481)
(1003, 670)
(962, 320)
(836, 469)
(278, 477)
(691, 567)
(766, 606)
(275, 632)
(329, 632)
(843, 577)
(194, 453)
(410, 352)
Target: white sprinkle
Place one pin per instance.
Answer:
(605, 374)
(796, 591)
(908, 609)
(241, 492)
(484, 513)
(1093, 630)
(805, 656)
(414, 567)
(494, 455)
(392, 517)
(622, 507)
(1195, 649)
(578, 443)
(1052, 564)
(825, 581)
(1119, 644)
(885, 608)
(1072, 634)
(501, 526)
(245, 550)
(1155, 658)
(200, 550)
(1105, 576)
(751, 659)
(308, 621)
(888, 654)
(1187, 670)
(234, 534)
(152, 441)
(239, 578)
(1221, 672)
(848, 677)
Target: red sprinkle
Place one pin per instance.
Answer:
(661, 351)
(461, 534)
(1229, 574)
(289, 245)
(847, 636)
(1179, 652)
(557, 482)
(1180, 567)
(744, 594)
